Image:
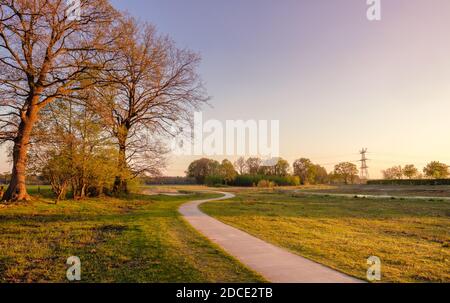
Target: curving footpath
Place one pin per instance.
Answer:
(273, 263)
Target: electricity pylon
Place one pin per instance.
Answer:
(364, 170)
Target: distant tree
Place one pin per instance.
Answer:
(436, 170)
(5, 177)
(410, 171)
(266, 170)
(200, 169)
(302, 168)
(253, 165)
(282, 168)
(228, 173)
(309, 172)
(269, 167)
(333, 178)
(346, 171)
(240, 165)
(320, 174)
(395, 172)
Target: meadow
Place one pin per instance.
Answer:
(411, 237)
(140, 238)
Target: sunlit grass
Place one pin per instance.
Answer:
(139, 239)
(412, 237)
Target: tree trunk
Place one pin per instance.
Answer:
(17, 190)
(61, 192)
(120, 183)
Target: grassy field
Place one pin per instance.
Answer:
(388, 190)
(139, 239)
(412, 237)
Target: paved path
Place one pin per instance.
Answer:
(273, 263)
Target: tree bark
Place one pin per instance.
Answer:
(17, 190)
(120, 183)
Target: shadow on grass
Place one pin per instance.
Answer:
(130, 207)
(30, 219)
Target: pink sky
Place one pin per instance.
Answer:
(334, 80)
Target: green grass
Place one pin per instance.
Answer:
(138, 239)
(410, 236)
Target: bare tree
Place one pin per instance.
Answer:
(43, 54)
(392, 173)
(153, 90)
(253, 165)
(240, 165)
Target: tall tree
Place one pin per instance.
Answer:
(154, 89)
(43, 52)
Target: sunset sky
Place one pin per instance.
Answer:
(334, 80)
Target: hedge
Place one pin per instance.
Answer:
(214, 181)
(410, 182)
(253, 180)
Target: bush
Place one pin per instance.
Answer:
(247, 180)
(295, 180)
(266, 184)
(410, 182)
(284, 181)
(253, 180)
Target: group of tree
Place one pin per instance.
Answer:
(309, 172)
(433, 170)
(87, 101)
(306, 172)
(204, 168)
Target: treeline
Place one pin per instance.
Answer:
(86, 103)
(274, 172)
(433, 170)
(410, 182)
(168, 180)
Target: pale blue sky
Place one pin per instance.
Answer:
(336, 81)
